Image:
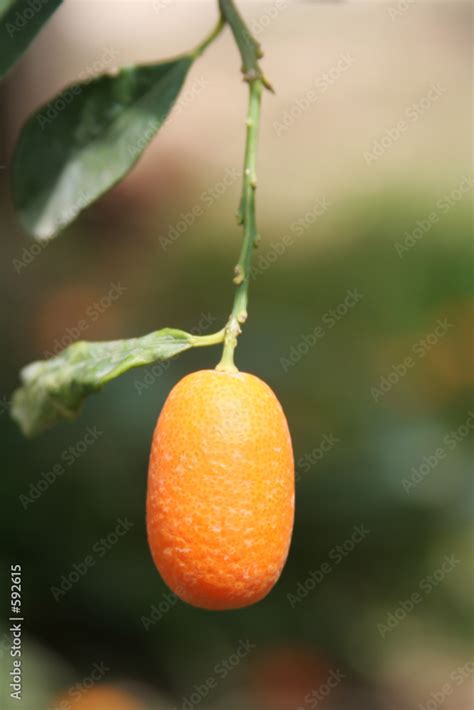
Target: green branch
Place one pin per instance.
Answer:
(53, 390)
(249, 48)
(250, 52)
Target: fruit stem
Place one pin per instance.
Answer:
(250, 53)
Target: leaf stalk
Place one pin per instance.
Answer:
(209, 39)
(199, 341)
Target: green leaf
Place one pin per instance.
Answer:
(20, 22)
(86, 139)
(53, 390)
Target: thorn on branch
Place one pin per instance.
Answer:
(239, 275)
(252, 75)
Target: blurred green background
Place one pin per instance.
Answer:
(360, 320)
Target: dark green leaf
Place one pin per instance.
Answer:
(85, 140)
(20, 22)
(53, 390)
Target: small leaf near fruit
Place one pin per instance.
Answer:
(53, 390)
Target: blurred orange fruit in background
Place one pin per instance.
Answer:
(287, 677)
(101, 697)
